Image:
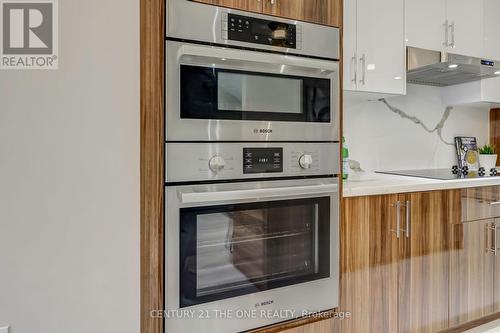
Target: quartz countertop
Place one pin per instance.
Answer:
(370, 183)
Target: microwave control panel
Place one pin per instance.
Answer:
(258, 31)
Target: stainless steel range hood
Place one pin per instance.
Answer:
(433, 68)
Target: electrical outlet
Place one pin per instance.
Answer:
(4, 329)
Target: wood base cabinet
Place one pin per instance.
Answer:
(395, 261)
(475, 256)
(424, 260)
(369, 264)
(472, 271)
(248, 5)
(326, 12)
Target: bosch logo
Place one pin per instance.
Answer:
(263, 131)
(269, 302)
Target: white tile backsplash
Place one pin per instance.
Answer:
(381, 139)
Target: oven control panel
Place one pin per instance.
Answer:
(259, 31)
(262, 160)
(228, 161)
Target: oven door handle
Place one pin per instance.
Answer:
(191, 197)
(209, 54)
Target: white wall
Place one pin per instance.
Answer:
(69, 179)
(382, 140)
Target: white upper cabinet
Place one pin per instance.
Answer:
(425, 24)
(491, 40)
(465, 27)
(454, 26)
(350, 51)
(374, 48)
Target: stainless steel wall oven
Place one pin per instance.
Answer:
(252, 154)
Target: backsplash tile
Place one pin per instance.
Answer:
(415, 131)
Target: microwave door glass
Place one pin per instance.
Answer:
(254, 93)
(215, 93)
(228, 251)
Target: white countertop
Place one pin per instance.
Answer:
(368, 183)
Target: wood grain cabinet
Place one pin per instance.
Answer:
(326, 12)
(248, 5)
(424, 260)
(369, 264)
(395, 261)
(475, 256)
(472, 271)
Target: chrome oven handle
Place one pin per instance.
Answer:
(191, 197)
(209, 54)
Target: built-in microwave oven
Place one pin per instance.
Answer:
(249, 77)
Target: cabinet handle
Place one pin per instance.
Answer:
(446, 42)
(408, 218)
(355, 66)
(363, 62)
(495, 239)
(494, 203)
(493, 249)
(398, 219)
(452, 28)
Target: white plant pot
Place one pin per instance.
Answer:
(488, 162)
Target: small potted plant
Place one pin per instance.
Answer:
(487, 157)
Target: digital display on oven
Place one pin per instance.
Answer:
(253, 30)
(262, 160)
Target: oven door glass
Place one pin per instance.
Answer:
(233, 250)
(216, 93)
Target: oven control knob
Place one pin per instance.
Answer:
(216, 164)
(306, 161)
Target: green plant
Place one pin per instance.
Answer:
(487, 150)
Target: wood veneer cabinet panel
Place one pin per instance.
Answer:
(424, 268)
(248, 5)
(327, 12)
(496, 279)
(471, 272)
(480, 203)
(324, 326)
(369, 264)
(152, 161)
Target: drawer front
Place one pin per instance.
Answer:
(480, 203)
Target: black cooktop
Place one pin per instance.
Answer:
(441, 174)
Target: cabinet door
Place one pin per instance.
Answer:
(425, 21)
(369, 264)
(496, 280)
(327, 12)
(491, 49)
(350, 45)
(249, 5)
(466, 27)
(380, 46)
(424, 268)
(471, 271)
